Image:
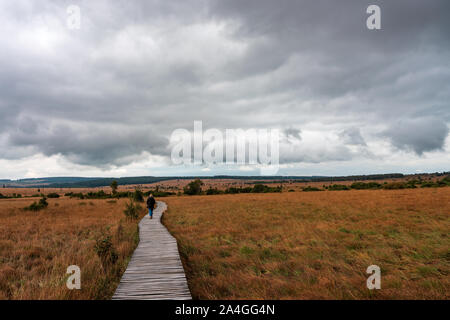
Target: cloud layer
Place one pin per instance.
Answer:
(104, 99)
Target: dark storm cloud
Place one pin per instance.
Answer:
(293, 133)
(86, 144)
(136, 71)
(352, 136)
(420, 135)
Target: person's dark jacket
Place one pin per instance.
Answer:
(151, 203)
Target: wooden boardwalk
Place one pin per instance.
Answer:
(155, 271)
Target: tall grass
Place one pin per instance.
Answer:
(37, 247)
(314, 245)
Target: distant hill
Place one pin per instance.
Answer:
(43, 182)
(82, 182)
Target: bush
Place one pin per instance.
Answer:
(36, 206)
(157, 193)
(338, 187)
(114, 186)
(132, 210)
(258, 188)
(97, 195)
(233, 190)
(431, 184)
(194, 187)
(212, 191)
(53, 195)
(106, 252)
(309, 188)
(138, 195)
(398, 185)
(124, 194)
(446, 180)
(364, 186)
(262, 188)
(75, 195)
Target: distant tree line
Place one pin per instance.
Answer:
(195, 188)
(411, 184)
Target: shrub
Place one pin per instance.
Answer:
(398, 185)
(114, 186)
(212, 191)
(258, 188)
(138, 195)
(363, 185)
(157, 193)
(446, 180)
(233, 190)
(309, 188)
(75, 195)
(97, 195)
(431, 184)
(132, 210)
(36, 206)
(106, 252)
(338, 187)
(262, 188)
(194, 187)
(53, 195)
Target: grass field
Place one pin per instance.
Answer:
(37, 247)
(291, 245)
(315, 245)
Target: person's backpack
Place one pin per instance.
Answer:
(151, 202)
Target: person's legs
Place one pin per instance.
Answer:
(150, 213)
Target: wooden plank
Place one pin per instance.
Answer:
(155, 271)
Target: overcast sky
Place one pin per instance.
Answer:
(103, 100)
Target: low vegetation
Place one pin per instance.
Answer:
(237, 240)
(396, 185)
(53, 195)
(137, 195)
(132, 210)
(195, 188)
(314, 245)
(36, 206)
(13, 196)
(36, 247)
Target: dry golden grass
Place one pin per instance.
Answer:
(314, 245)
(37, 247)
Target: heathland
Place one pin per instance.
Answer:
(315, 245)
(237, 240)
(36, 247)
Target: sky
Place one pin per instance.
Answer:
(104, 99)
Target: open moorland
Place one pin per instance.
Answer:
(315, 245)
(36, 247)
(237, 240)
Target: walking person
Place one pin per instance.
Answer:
(151, 205)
